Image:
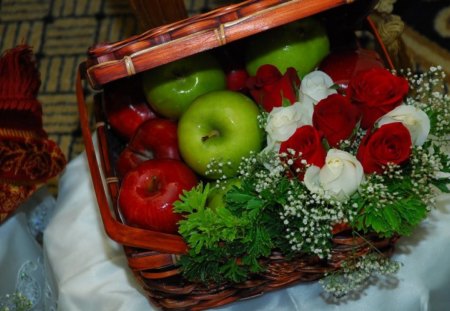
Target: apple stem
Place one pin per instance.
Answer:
(213, 133)
(153, 186)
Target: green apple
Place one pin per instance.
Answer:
(172, 87)
(218, 191)
(219, 128)
(301, 44)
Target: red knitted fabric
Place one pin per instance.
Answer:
(27, 157)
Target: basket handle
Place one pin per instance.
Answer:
(121, 233)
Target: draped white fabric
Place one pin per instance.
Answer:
(91, 272)
(24, 280)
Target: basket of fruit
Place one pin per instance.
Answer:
(259, 146)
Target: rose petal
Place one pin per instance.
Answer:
(315, 86)
(268, 74)
(413, 118)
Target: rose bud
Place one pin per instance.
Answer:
(306, 142)
(236, 80)
(389, 144)
(376, 92)
(336, 118)
(269, 87)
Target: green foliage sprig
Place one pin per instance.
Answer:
(225, 245)
(389, 204)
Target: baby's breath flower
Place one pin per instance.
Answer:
(355, 274)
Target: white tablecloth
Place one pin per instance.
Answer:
(91, 273)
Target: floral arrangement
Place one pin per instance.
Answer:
(368, 157)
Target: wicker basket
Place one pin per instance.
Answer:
(152, 256)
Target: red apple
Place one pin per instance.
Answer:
(343, 64)
(148, 191)
(126, 108)
(153, 139)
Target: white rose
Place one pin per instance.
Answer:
(282, 122)
(315, 86)
(339, 178)
(413, 118)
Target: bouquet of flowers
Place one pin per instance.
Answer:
(367, 158)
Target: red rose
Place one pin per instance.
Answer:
(307, 141)
(269, 86)
(389, 144)
(336, 118)
(375, 92)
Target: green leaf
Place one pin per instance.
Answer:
(233, 271)
(412, 210)
(235, 196)
(261, 243)
(192, 200)
(378, 223)
(392, 218)
(285, 102)
(442, 184)
(335, 86)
